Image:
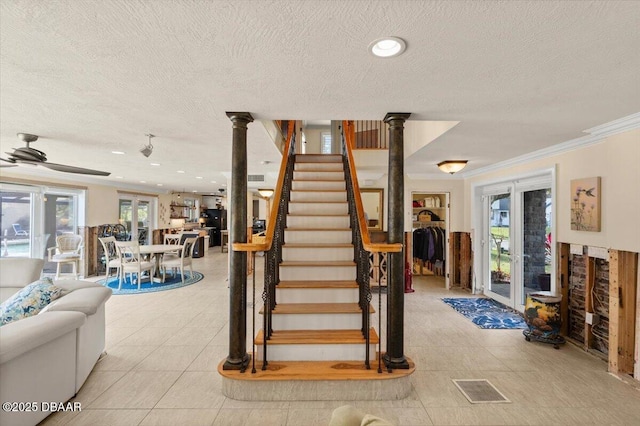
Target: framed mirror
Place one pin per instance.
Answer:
(372, 201)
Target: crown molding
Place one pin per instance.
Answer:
(596, 135)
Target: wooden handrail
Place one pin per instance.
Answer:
(362, 224)
(273, 214)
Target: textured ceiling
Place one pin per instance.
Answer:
(95, 76)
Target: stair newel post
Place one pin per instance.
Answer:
(394, 356)
(238, 359)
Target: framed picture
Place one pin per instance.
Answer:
(585, 204)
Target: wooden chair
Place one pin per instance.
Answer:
(132, 262)
(111, 258)
(184, 260)
(68, 249)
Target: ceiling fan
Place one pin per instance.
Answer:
(32, 156)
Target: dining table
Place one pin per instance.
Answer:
(159, 250)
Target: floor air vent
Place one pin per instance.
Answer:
(480, 391)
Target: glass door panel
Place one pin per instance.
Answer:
(16, 223)
(142, 222)
(500, 245)
(536, 242)
(60, 217)
(125, 215)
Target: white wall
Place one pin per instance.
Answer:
(617, 161)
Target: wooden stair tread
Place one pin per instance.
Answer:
(317, 308)
(317, 337)
(318, 202)
(332, 263)
(318, 229)
(317, 370)
(317, 215)
(317, 245)
(317, 284)
(318, 190)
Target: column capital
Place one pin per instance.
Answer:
(240, 117)
(393, 116)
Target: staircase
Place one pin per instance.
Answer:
(316, 337)
(317, 316)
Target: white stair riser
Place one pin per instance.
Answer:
(320, 185)
(318, 208)
(316, 321)
(318, 221)
(343, 352)
(318, 158)
(335, 167)
(324, 236)
(318, 295)
(317, 253)
(329, 273)
(318, 175)
(318, 196)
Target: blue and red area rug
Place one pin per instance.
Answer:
(171, 282)
(487, 313)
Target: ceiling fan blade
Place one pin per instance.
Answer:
(72, 169)
(11, 163)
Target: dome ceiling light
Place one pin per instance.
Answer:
(452, 166)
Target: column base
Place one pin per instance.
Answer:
(395, 363)
(237, 363)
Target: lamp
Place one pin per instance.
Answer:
(452, 166)
(202, 222)
(147, 149)
(266, 193)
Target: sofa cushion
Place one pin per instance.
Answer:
(29, 301)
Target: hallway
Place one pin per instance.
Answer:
(164, 349)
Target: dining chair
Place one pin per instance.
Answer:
(68, 249)
(111, 258)
(131, 262)
(184, 260)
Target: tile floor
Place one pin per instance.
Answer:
(164, 348)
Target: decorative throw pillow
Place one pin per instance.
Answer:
(29, 301)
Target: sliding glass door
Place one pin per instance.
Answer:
(517, 250)
(32, 217)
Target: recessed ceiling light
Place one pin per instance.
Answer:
(213, 181)
(159, 184)
(387, 47)
(117, 152)
(143, 181)
(118, 177)
(180, 171)
(194, 191)
(198, 177)
(155, 164)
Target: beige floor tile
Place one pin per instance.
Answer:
(137, 389)
(95, 385)
(174, 417)
(169, 358)
(209, 358)
(149, 336)
(194, 390)
(115, 335)
(256, 416)
(194, 336)
(108, 418)
(309, 416)
(123, 358)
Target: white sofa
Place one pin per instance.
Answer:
(48, 357)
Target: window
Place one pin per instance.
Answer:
(325, 143)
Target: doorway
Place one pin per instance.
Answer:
(136, 213)
(517, 254)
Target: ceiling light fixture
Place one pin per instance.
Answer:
(147, 149)
(452, 166)
(117, 152)
(387, 47)
(155, 164)
(266, 193)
